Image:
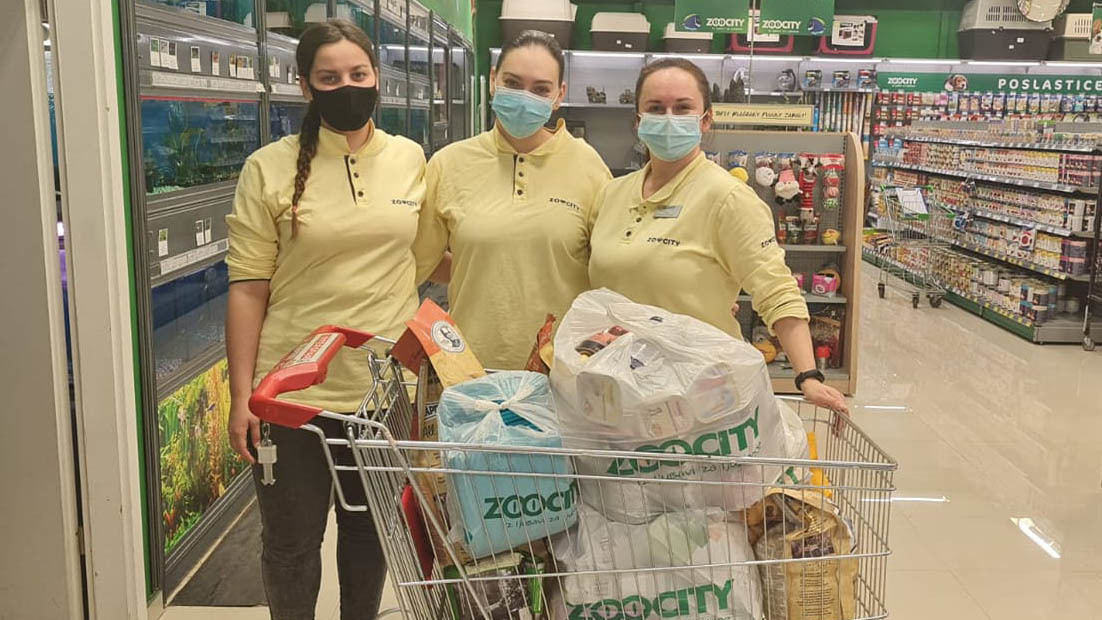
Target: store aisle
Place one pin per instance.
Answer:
(1000, 477)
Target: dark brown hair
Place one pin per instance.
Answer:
(314, 37)
(535, 38)
(674, 63)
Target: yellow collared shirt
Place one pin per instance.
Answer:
(351, 262)
(517, 225)
(692, 247)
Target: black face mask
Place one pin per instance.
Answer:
(347, 108)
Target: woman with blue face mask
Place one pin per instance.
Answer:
(685, 235)
(514, 206)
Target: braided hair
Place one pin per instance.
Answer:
(317, 35)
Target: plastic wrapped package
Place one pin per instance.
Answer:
(638, 378)
(687, 564)
(504, 508)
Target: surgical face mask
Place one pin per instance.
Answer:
(670, 137)
(521, 113)
(347, 108)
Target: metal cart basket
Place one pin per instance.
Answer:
(815, 548)
(905, 256)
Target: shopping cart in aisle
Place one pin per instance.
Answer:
(905, 245)
(698, 537)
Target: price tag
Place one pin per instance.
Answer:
(196, 60)
(233, 65)
(154, 51)
(200, 238)
(173, 61)
(207, 230)
(162, 243)
(215, 63)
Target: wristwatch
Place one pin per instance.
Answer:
(814, 373)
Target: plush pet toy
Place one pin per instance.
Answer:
(741, 174)
(764, 174)
(787, 189)
(762, 342)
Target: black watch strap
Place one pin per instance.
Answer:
(814, 373)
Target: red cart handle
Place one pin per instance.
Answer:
(303, 367)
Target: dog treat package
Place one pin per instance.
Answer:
(543, 350)
(802, 524)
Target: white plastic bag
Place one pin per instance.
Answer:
(665, 383)
(795, 444)
(714, 583)
(498, 510)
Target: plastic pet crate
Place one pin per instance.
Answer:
(620, 32)
(1073, 38)
(851, 35)
(686, 42)
(997, 30)
(555, 17)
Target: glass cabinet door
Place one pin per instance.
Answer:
(190, 142)
(359, 12)
(189, 316)
(420, 95)
(291, 17)
(441, 131)
(286, 118)
(236, 11)
(459, 91)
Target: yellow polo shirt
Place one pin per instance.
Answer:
(351, 262)
(517, 225)
(692, 246)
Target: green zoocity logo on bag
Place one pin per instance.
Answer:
(533, 505)
(717, 443)
(684, 603)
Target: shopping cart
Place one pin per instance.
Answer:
(683, 563)
(908, 236)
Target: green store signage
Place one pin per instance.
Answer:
(798, 17)
(989, 82)
(722, 16)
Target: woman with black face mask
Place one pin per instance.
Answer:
(321, 232)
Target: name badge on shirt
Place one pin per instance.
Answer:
(667, 212)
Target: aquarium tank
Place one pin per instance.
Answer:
(236, 11)
(186, 143)
(189, 314)
(286, 118)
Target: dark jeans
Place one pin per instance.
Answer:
(294, 512)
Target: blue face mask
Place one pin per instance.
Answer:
(670, 137)
(521, 113)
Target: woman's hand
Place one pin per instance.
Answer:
(824, 396)
(244, 428)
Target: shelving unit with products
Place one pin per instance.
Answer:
(1030, 228)
(208, 82)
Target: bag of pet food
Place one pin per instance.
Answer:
(637, 378)
(794, 524)
(689, 564)
(504, 507)
(508, 597)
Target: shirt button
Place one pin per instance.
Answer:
(352, 161)
(356, 174)
(638, 219)
(520, 174)
(520, 159)
(520, 192)
(360, 194)
(628, 233)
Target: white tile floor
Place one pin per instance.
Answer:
(1001, 428)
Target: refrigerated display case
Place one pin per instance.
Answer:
(441, 52)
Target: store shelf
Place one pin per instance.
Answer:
(810, 298)
(622, 106)
(1018, 262)
(826, 249)
(998, 217)
(963, 174)
(1035, 146)
(1062, 329)
(839, 90)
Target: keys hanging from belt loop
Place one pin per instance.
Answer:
(266, 454)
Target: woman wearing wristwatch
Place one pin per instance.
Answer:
(685, 235)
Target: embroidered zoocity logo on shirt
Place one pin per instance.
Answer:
(400, 202)
(664, 241)
(565, 203)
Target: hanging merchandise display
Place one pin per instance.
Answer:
(797, 17)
